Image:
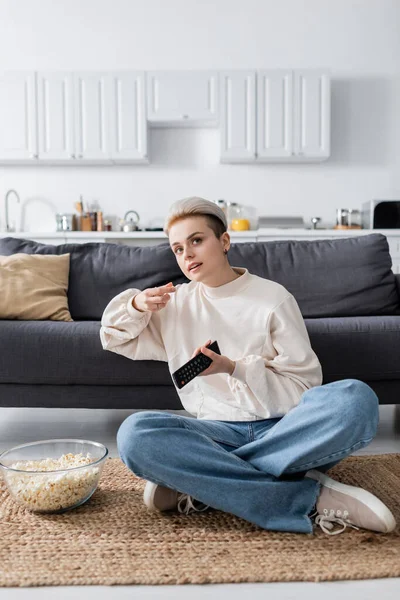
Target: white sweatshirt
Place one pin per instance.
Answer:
(256, 322)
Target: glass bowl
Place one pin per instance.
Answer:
(48, 487)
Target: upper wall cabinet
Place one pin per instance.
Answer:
(312, 114)
(56, 136)
(184, 98)
(238, 116)
(291, 111)
(80, 118)
(102, 118)
(274, 115)
(18, 132)
(128, 139)
(92, 116)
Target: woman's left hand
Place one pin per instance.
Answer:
(220, 363)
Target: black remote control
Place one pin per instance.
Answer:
(194, 366)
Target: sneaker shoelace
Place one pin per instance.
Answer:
(186, 506)
(329, 517)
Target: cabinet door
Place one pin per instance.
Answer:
(55, 116)
(182, 97)
(128, 118)
(238, 116)
(92, 116)
(312, 114)
(274, 114)
(18, 116)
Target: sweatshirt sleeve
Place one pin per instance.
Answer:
(127, 331)
(269, 388)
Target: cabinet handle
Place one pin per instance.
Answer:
(185, 116)
(80, 156)
(72, 155)
(34, 156)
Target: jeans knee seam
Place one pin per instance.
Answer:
(329, 456)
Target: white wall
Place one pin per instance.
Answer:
(359, 41)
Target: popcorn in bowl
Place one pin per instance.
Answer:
(53, 484)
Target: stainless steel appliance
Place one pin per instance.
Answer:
(281, 222)
(132, 224)
(381, 214)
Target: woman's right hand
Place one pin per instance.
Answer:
(153, 299)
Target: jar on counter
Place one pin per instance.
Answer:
(234, 212)
(65, 222)
(223, 206)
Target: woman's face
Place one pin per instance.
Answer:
(194, 243)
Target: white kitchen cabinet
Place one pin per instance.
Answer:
(238, 116)
(184, 98)
(92, 116)
(274, 114)
(292, 116)
(128, 117)
(18, 117)
(56, 136)
(312, 109)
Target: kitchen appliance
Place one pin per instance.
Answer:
(381, 214)
(132, 224)
(280, 222)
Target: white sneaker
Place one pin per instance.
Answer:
(349, 506)
(158, 497)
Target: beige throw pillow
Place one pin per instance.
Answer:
(34, 287)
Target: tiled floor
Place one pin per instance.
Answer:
(18, 426)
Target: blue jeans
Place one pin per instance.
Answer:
(254, 469)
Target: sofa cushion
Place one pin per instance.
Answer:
(34, 287)
(328, 278)
(99, 271)
(58, 353)
(335, 277)
(356, 347)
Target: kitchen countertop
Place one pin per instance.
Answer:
(160, 234)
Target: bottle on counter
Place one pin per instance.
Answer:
(100, 221)
(223, 205)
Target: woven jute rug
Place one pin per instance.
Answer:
(113, 539)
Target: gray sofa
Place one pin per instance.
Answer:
(345, 288)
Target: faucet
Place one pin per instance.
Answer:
(18, 200)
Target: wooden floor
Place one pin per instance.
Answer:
(20, 425)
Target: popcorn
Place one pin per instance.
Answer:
(57, 490)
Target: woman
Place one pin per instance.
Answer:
(265, 430)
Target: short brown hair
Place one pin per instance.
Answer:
(190, 207)
(213, 222)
